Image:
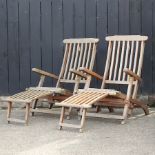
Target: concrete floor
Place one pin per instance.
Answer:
(100, 137)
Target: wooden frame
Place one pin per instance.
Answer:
(78, 53)
(126, 52)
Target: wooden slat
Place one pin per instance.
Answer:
(88, 55)
(71, 61)
(131, 55)
(84, 56)
(103, 115)
(112, 60)
(126, 58)
(92, 56)
(135, 57)
(76, 58)
(70, 125)
(118, 82)
(67, 58)
(71, 81)
(47, 111)
(126, 37)
(107, 64)
(16, 120)
(80, 57)
(121, 61)
(117, 60)
(141, 58)
(82, 40)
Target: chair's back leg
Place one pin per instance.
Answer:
(27, 113)
(40, 84)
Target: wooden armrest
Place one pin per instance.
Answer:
(131, 73)
(78, 73)
(44, 73)
(91, 73)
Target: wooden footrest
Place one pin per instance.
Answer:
(16, 120)
(28, 96)
(70, 125)
(47, 111)
(84, 99)
(99, 115)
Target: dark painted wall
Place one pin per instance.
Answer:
(31, 34)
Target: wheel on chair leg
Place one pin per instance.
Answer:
(81, 130)
(60, 127)
(123, 122)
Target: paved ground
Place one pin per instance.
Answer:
(101, 137)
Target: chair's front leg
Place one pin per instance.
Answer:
(27, 113)
(61, 117)
(9, 111)
(34, 105)
(125, 112)
(83, 119)
(127, 101)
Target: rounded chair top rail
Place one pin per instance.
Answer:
(81, 40)
(126, 38)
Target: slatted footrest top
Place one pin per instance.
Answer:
(32, 94)
(86, 98)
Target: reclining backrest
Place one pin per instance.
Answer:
(123, 52)
(78, 53)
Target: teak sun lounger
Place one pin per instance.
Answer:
(123, 67)
(78, 53)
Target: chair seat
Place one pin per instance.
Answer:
(33, 93)
(109, 91)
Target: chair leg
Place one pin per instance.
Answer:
(111, 109)
(83, 119)
(51, 105)
(9, 111)
(98, 109)
(34, 105)
(27, 113)
(61, 117)
(125, 113)
(69, 112)
(79, 114)
(130, 112)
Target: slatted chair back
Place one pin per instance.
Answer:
(124, 52)
(78, 53)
